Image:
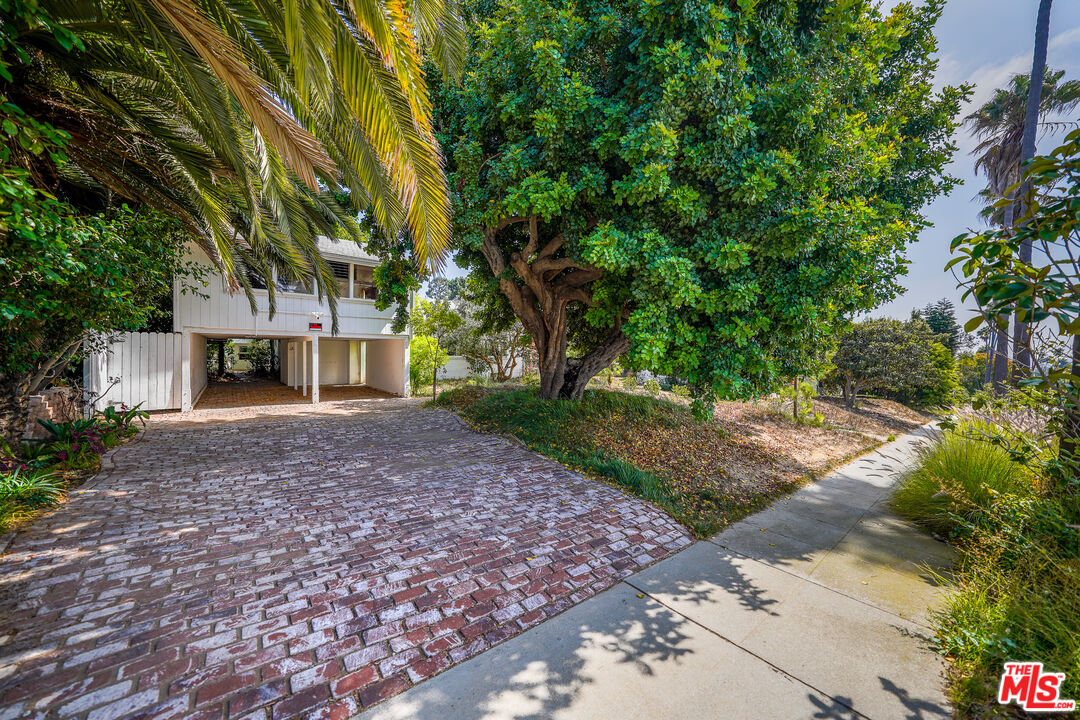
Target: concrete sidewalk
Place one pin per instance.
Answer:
(814, 608)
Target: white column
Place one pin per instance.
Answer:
(363, 362)
(315, 369)
(303, 366)
(405, 389)
(291, 375)
(185, 371)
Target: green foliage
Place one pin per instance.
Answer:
(1040, 290)
(651, 386)
(797, 402)
(425, 356)
(738, 176)
(680, 391)
(957, 478)
(436, 318)
(886, 354)
(260, 356)
(113, 418)
(22, 491)
(937, 386)
(941, 317)
(1018, 577)
(229, 355)
(971, 371)
(630, 382)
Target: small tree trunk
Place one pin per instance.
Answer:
(435, 369)
(851, 389)
(1000, 366)
(14, 407)
(795, 399)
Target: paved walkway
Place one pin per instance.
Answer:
(299, 561)
(814, 608)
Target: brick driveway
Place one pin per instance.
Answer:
(299, 561)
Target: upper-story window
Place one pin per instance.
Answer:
(364, 282)
(341, 277)
(258, 282)
(303, 286)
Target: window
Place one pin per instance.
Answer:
(258, 282)
(364, 282)
(303, 286)
(341, 277)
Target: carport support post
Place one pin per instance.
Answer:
(303, 367)
(185, 371)
(221, 358)
(315, 369)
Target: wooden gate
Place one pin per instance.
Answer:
(136, 368)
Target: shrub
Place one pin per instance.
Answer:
(422, 359)
(24, 490)
(652, 386)
(1018, 585)
(956, 478)
(32, 488)
(629, 382)
(680, 391)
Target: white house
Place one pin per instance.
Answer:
(168, 370)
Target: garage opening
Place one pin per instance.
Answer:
(282, 371)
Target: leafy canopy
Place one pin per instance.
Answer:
(889, 354)
(737, 177)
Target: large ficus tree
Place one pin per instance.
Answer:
(706, 186)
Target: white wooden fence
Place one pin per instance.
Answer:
(136, 368)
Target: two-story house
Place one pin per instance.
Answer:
(168, 370)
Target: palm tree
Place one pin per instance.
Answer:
(250, 120)
(1021, 329)
(1001, 125)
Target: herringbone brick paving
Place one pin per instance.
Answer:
(299, 562)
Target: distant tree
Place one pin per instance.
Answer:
(437, 319)
(425, 356)
(935, 386)
(941, 317)
(971, 371)
(884, 354)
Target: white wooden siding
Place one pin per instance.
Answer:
(216, 311)
(136, 368)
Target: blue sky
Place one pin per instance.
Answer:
(982, 42)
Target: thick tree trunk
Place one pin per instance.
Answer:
(548, 285)
(14, 407)
(1021, 349)
(851, 390)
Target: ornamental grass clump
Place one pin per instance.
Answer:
(957, 477)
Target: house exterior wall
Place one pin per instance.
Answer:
(214, 311)
(388, 365)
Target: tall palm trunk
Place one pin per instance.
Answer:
(1021, 329)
